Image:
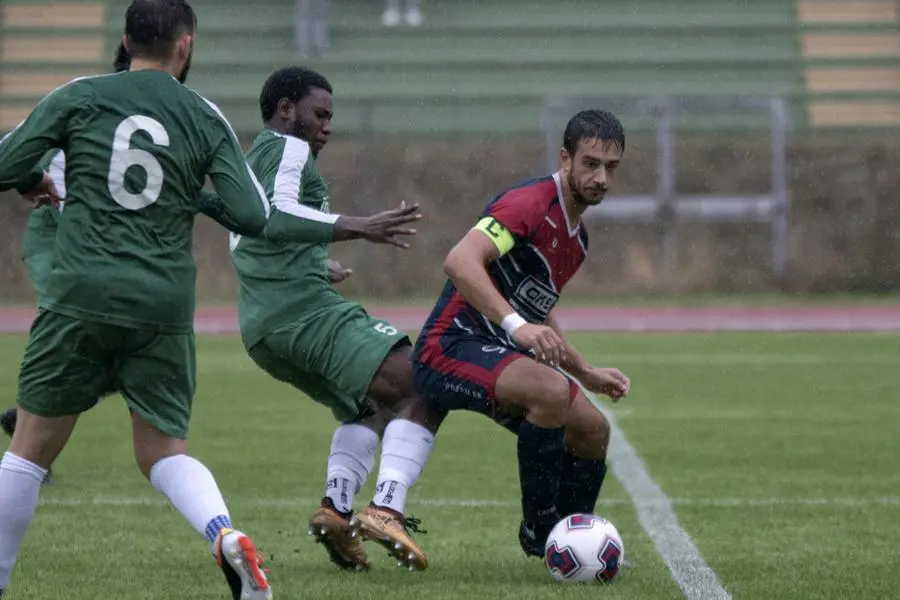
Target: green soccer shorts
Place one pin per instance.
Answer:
(69, 363)
(331, 354)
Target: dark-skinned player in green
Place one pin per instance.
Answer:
(302, 331)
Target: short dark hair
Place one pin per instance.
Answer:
(153, 26)
(593, 125)
(122, 60)
(293, 83)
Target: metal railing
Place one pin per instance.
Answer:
(667, 207)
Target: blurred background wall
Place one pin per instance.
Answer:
(762, 134)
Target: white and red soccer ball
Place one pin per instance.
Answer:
(584, 547)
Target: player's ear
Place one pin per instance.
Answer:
(185, 45)
(565, 160)
(287, 110)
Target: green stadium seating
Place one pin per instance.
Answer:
(851, 58)
(43, 45)
(488, 66)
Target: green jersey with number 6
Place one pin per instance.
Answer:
(280, 281)
(138, 147)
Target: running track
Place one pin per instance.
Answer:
(731, 318)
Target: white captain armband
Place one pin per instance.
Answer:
(498, 234)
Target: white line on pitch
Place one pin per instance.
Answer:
(654, 509)
(656, 515)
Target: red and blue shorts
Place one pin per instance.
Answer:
(459, 370)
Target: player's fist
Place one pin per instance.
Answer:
(546, 344)
(44, 193)
(381, 228)
(336, 272)
(611, 382)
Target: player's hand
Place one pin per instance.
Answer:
(44, 193)
(381, 228)
(608, 381)
(337, 273)
(546, 344)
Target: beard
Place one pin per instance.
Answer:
(299, 131)
(182, 77)
(579, 197)
(576, 192)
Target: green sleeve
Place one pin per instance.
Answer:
(288, 227)
(210, 204)
(43, 130)
(290, 220)
(36, 174)
(281, 226)
(242, 206)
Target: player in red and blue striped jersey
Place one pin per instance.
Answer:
(492, 344)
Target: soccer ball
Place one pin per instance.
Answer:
(584, 547)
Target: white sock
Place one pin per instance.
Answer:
(193, 491)
(20, 488)
(349, 464)
(405, 449)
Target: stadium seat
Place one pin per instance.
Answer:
(490, 66)
(850, 52)
(42, 46)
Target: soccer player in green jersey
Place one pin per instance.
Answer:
(40, 230)
(302, 331)
(138, 147)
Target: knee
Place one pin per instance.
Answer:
(550, 401)
(589, 438)
(423, 413)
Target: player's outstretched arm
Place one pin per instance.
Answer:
(380, 228)
(466, 266)
(292, 221)
(298, 223)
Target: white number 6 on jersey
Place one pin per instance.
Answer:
(124, 157)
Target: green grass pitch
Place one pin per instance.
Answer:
(779, 452)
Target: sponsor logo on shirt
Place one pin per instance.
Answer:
(536, 297)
